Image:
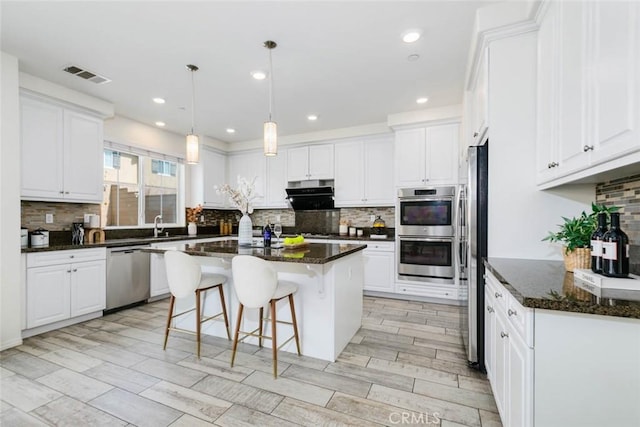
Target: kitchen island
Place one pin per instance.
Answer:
(328, 301)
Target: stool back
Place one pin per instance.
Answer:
(183, 273)
(254, 280)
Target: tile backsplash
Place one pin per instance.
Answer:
(33, 214)
(625, 193)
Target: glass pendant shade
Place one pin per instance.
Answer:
(193, 149)
(270, 138)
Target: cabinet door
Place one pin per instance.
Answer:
(572, 87)
(321, 161)
(88, 287)
(349, 174)
(213, 174)
(480, 99)
(158, 276)
(250, 166)
(501, 367)
(48, 294)
(379, 271)
(379, 189)
(410, 157)
(298, 164)
(83, 157)
(547, 115)
(489, 335)
(616, 84)
(41, 150)
(441, 155)
(520, 383)
(276, 183)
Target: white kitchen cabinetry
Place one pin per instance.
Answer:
(588, 87)
(310, 162)
(427, 156)
(214, 168)
(479, 101)
(249, 165)
(276, 182)
(62, 285)
(379, 266)
(62, 153)
(364, 173)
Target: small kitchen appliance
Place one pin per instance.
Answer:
(379, 229)
(40, 238)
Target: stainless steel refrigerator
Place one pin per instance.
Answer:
(472, 319)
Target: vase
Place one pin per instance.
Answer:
(577, 258)
(245, 231)
(192, 229)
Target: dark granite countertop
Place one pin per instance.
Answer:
(547, 285)
(114, 243)
(312, 253)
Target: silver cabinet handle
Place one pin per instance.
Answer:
(498, 295)
(75, 269)
(68, 271)
(61, 192)
(66, 192)
(71, 256)
(504, 335)
(553, 165)
(490, 309)
(512, 312)
(587, 148)
(475, 134)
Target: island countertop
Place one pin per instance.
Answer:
(312, 253)
(547, 285)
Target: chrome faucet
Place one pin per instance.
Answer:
(155, 225)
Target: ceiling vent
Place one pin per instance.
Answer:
(86, 75)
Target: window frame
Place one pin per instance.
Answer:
(181, 186)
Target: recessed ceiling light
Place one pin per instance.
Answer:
(411, 36)
(413, 57)
(259, 75)
(231, 130)
(158, 100)
(422, 100)
(312, 117)
(160, 124)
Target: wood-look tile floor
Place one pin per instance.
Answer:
(405, 366)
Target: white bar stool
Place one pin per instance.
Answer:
(256, 284)
(185, 278)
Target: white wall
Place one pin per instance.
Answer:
(519, 214)
(10, 286)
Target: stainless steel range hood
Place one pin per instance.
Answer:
(303, 197)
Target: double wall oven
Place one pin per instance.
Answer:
(429, 244)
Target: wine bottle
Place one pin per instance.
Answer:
(266, 236)
(615, 250)
(596, 243)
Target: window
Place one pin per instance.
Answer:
(138, 187)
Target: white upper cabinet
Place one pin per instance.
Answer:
(276, 182)
(250, 165)
(588, 87)
(310, 162)
(479, 101)
(61, 152)
(214, 168)
(427, 156)
(364, 173)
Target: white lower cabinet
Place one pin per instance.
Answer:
(508, 355)
(62, 285)
(379, 267)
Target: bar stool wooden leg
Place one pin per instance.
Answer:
(261, 316)
(169, 317)
(295, 323)
(274, 341)
(235, 338)
(198, 322)
(224, 310)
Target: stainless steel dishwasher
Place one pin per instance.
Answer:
(127, 276)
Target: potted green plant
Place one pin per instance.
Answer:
(575, 236)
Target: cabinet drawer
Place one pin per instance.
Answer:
(498, 292)
(379, 246)
(40, 259)
(427, 290)
(520, 320)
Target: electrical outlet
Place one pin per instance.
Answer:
(201, 218)
(372, 218)
(48, 218)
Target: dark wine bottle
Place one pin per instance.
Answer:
(266, 236)
(596, 243)
(615, 250)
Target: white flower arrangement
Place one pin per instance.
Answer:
(242, 196)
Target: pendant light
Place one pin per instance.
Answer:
(270, 127)
(193, 142)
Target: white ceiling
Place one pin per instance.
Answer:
(342, 60)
